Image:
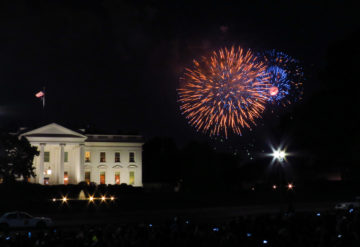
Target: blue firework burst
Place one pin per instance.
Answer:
(286, 77)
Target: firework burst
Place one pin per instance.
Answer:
(224, 92)
(286, 77)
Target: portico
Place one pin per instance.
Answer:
(61, 151)
(62, 157)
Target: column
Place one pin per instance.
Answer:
(138, 179)
(61, 165)
(81, 169)
(40, 173)
(125, 175)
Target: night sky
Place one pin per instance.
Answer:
(115, 65)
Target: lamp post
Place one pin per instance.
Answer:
(279, 158)
(48, 171)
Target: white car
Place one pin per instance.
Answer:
(22, 219)
(348, 205)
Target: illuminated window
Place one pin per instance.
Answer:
(46, 156)
(46, 181)
(87, 156)
(66, 178)
(117, 157)
(102, 177)
(66, 157)
(87, 177)
(117, 177)
(131, 157)
(132, 178)
(102, 157)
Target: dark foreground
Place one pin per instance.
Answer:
(307, 228)
(259, 217)
(199, 215)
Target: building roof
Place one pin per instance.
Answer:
(113, 138)
(54, 130)
(51, 135)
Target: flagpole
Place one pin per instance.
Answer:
(43, 98)
(43, 111)
(41, 95)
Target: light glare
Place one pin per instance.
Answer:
(290, 186)
(280, 155)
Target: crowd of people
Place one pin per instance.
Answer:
(341, 228)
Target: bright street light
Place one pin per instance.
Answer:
(279, 155)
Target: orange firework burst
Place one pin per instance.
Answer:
(224, 92)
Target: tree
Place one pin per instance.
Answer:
(16, 158)
(160, 160)
(205, 169)
(325, 128)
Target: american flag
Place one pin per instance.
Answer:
(41, 95)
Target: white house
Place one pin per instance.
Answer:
(69, 157)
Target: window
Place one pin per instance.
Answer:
(87, 156)
(132, 178)
(11, 216)
(131, 157)
(102, 157)
(117, 157)
(46, 156)
(66, 178)
(87, 177)
(117, 177)
(66, 157)
(25, 216)
(102, 177)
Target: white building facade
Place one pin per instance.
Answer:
(70, 157)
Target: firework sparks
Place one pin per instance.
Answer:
(224, 92)
(286, 77)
